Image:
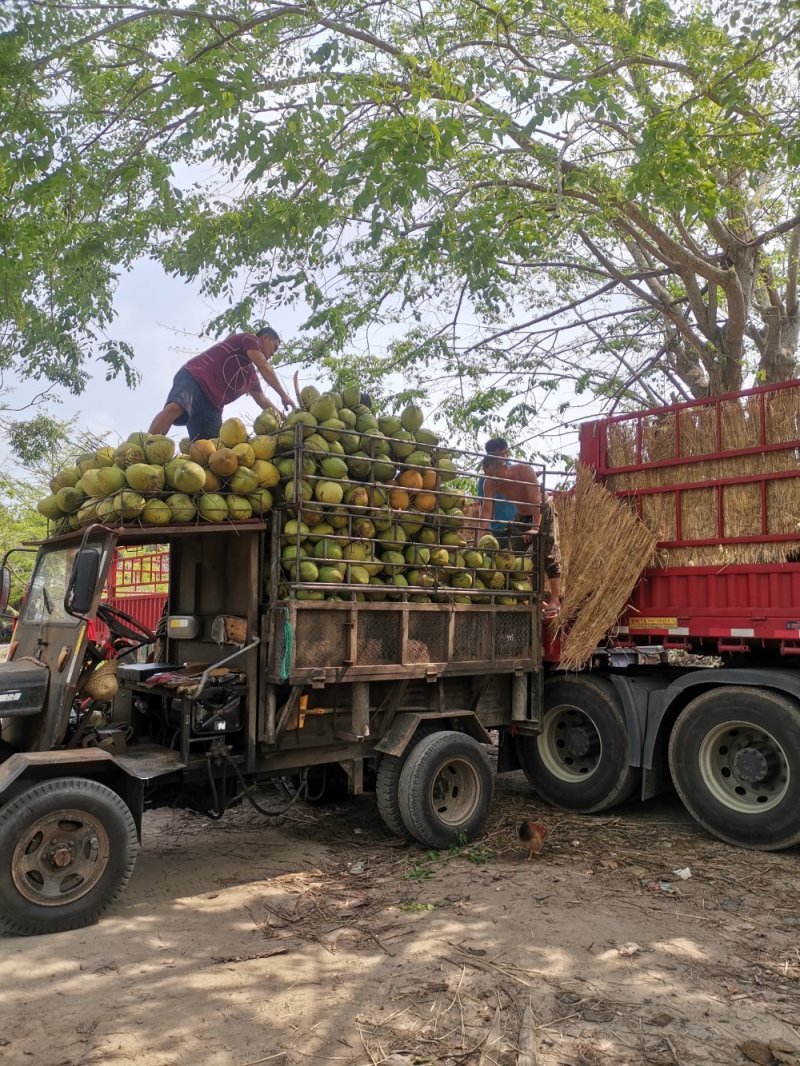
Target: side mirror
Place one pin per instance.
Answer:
(5, 588)
(82, 581)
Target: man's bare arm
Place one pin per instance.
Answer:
(267, 371)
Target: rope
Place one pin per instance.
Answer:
(288, 645)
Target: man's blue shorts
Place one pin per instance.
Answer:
(201, 418)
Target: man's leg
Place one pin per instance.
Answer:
(204, 422)
(165, 419)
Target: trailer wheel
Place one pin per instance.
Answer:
(445, 790)
(67, 850)
(734, 755)
(579, 762)
(387, 782)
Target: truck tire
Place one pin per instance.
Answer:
(67, 850)
(445, 790)
(387, 782)
(734, 755)
(579, 762)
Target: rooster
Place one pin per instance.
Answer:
(533, 835)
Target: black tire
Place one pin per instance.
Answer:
(734, 755)
(387, 782)
(87, 826)
(580, 760)
(445, 790)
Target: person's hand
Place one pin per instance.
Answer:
(529, 534)
(288, 403)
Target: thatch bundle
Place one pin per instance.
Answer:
(734, 510)
(604, 549)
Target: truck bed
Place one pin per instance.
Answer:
(718, 480)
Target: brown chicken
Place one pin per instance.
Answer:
(533, 835)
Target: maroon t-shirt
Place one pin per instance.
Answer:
(224, 371)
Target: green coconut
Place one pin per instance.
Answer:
(212, 507)
(69, 499)
(110, 479)
(331, 428)
(139, 439)
(267, 422)
(329, 492)
(309, 394)
(389, 424)
(128, 504)
(90, 483)
(182, 508)
(128, 454)
(323, 408)
(49, 508)
(159, 449)
(267, 473)
(189, 477)
(331, 575)
(244, 481)
(290, 493)
(104, 456)
(64, 479)
(143, 478)
(261, 501)
(239, 508)
(412, 418)
(344, 414)
(156, 513)
(233, 431)
(403, 444)
(264, 447)
(105, 509)
(86, 461)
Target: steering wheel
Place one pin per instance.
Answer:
(123, 625)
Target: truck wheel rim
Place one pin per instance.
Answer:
(569, 744)
(744, 767)
(455, 792)
(60, 858)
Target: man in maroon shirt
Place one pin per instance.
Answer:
(203, 386)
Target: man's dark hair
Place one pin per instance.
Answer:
(496, 445)
(268, 331)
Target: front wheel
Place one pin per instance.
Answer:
(580, 761)
(445, 789)
(67, 850)
(734, 755)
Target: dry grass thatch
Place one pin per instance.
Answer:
(750, 509)
(604, 549)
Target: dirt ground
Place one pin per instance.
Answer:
(323, 941)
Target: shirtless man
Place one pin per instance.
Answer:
(517, 482)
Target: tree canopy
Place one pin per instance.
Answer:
(523, 191)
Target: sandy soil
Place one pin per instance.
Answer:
(323, 941)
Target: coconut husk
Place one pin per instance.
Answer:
(102, 684)
(604, 549)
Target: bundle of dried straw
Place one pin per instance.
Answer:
(604, 549)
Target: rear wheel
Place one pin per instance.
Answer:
(734, 755)
(580, 761)
(388, 781)
(445, 790)
(67, 850)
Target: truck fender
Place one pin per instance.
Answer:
(670, 701)
(405, 726)
(94, 763)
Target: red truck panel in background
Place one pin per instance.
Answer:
(721, 607)
(138, 583)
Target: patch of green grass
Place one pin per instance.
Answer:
(478, 855)
(411, 906)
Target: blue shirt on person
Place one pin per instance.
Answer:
(503, 510)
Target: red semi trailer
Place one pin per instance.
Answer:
(718, 717)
